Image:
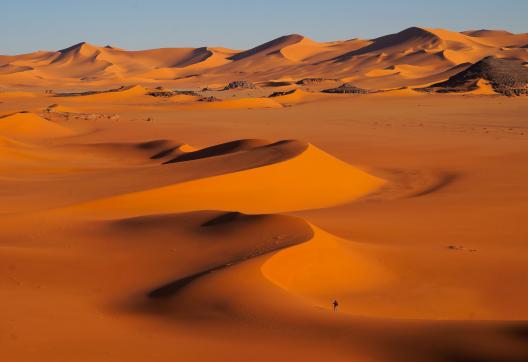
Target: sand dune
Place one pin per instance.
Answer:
(407, 41)
(235, 230)
(219, 150)
(423, 52)
(151, 152)
(229, 238)
(271, 48)
(283, 181)
(308, 270)
(325, 268)
(487, 33)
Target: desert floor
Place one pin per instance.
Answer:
(137, 230)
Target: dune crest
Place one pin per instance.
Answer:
(296, 177)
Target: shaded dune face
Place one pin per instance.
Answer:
(233, 232)
(269, 47)
(218, 150)
(148, 152)
(407, 39)
(216, 240)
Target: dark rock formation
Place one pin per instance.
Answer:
(89, 93)
(310, 81)
(209, 99)
(507, 76)
(169, 93)
(274, 84)
(348, 88)
(280, 94)
(240, 84)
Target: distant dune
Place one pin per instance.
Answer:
(406, 58)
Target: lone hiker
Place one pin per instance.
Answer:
(335, 304)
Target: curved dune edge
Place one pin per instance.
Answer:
(312, 179)
(324, 268)
(127, 154)
(233, 233)
(190, 154)
(289, 252)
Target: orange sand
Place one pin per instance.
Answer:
(142, 228)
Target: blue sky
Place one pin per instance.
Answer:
(29, 25)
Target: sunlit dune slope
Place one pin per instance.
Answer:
(324, 268)
(299, 176)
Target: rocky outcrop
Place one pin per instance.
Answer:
(240, 84)
(507, 76)
(347, 88)
(280, 94)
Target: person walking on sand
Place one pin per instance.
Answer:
(335, 304)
